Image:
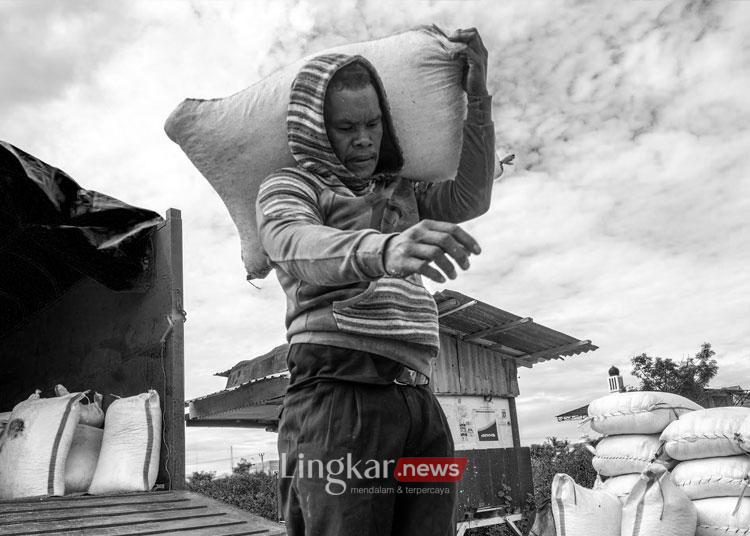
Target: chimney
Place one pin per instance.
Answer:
(616, 384)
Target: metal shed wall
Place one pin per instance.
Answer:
(470, 369)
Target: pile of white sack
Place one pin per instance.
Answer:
(713, 450)
(634, 494)
(645, 434)
(60, 445)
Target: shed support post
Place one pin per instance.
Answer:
(514, 422)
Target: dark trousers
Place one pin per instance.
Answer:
(337, 421)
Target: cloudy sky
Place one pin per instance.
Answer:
(625, 220)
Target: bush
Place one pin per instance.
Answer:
(559, 456)
(254, 492)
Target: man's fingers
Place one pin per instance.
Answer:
(469, 36)
(436, 254)
(446, 266)
(432, 273)
(461, 236)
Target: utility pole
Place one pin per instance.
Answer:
(231, 459)
(261, 462)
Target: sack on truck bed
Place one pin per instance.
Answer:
(129, 457)
(579, 511)
(625, 454)
(82, 458)
(725, 476)
(35, 445)
(91, 410)
(709, 433)
(715, 517)
(637, 412)
(235, 142)
(657, 507)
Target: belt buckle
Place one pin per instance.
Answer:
(407, 377)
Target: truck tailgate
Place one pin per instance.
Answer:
(158, 512)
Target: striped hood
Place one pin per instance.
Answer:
(306, 131)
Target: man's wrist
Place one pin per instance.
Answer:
(385, 251)
(479, 109)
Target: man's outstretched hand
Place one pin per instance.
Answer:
(475, 80)
(412, 250)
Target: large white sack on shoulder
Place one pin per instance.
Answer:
(624, 454)
(35, 445)
(708, 433)
(129, 457)
(715, 517)
(657, 507)
(91, 413)
(723, 476)
(619, 486)
(236, 141)
(82, 458)
(637, 412)
(579, 511)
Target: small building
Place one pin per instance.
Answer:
(474, 377)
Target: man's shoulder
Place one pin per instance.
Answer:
(291, 179)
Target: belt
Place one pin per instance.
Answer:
(408, 376)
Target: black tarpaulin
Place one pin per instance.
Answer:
(53, 232)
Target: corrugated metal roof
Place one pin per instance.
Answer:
(510, 335)
(578, 413)
(260, 398)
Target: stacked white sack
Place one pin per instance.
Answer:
(625, 454)
(715, 517)
(708, 433)
(632, 423)
(637, 412)
(714, 448)
(724, 476)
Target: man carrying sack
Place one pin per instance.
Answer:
(349, 239)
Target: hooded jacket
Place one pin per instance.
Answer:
(325, 230)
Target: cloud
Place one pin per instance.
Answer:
(49, 47)
(623, 220)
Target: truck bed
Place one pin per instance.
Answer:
(156, 512)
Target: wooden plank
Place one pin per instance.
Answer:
(514, 422)
(457, 308)
(494, 330)
(87, 512)
(173, 436)
(64, 505)
(170, 512)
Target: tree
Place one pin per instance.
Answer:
(688, 378)
(243, 467)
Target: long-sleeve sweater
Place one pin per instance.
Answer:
(326, 242)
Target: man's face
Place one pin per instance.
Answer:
(355, 127)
